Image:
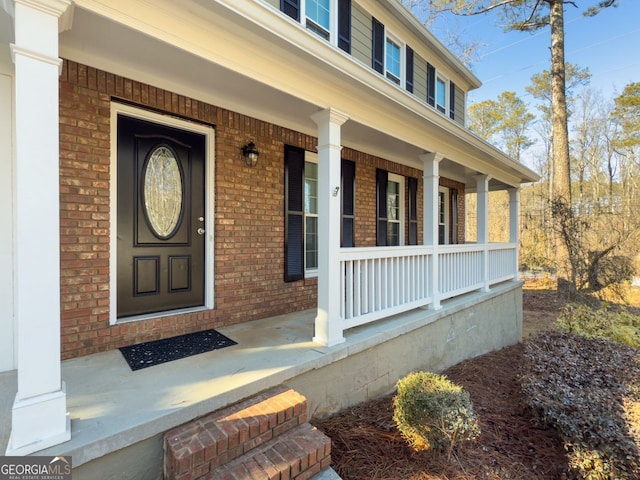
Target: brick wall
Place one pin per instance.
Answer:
(249, 222)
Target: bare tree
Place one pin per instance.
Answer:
(529, 15)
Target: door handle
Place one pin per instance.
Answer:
(200, 231)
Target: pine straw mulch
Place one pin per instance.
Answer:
(366, 445)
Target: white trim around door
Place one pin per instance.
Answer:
(209, 133)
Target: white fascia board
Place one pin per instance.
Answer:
(332, 79)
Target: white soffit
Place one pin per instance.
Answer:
(217, 56)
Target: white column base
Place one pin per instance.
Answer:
(39, 422)
(327, 331)
(435, 305)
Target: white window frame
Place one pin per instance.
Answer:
(209, 133)
(310, 157)
(400, 180)
(390, 37)
(444, 211)
(447, 83)
(333, 21)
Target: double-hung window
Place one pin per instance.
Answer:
(443, 215)
(301, 215)
(441, 94)
(391, 200)
(388, 55)
(438, 90)
(311, 212)
(393, 60)
(318, 15)
(330, 19)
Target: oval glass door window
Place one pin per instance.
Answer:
(162, 192)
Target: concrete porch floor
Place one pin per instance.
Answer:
(112, 407)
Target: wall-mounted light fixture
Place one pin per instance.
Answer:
(251, 154)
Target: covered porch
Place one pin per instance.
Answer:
(118, 416)
(366, 295)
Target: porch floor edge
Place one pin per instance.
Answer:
(113, 407)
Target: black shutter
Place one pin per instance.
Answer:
(409, 71)
(294, 214)
(431, 85)
(291, 8)
(382, 177)
(378, 46)
(454, 216)
(348, 207)
(413, 211)
(452, 100)
(344, 25)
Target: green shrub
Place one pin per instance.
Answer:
(433, 413)
(589, 390)
(606, 322)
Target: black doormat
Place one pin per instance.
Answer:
(148, 354)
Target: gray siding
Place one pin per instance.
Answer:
(460, 106)
(361, 36)
(274, 3)
(420, 77)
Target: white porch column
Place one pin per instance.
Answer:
(39, 415)
(328, 323)
(482, 189)
(431, 179)
(514, 226)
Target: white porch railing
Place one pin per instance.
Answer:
(378, 282)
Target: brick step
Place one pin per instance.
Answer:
(298, 454)
(197, 447)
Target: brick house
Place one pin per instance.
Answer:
(131, 134)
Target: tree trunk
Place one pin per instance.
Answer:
(560, 139)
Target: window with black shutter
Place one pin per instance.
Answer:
(452, 100)
(291, 8)
(413, 211)
(381, 209)
(301, 219)
(344, 25)
(390, 208)
(348, 206)
(431, 85)
(409, 69)
(378, 45)
(294, 213)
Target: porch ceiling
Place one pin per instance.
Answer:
(200, 51)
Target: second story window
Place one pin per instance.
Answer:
(388, 54)
(318, 13)
(441, 95)
(330, 19)
(392, 61)
(438, 92)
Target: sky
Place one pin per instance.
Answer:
(608, 44)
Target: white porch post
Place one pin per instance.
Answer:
(39, 415)
(514, 226)
(328, 322)
(482, 189)
(431, 178)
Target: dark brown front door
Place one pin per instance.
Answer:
(161, 209)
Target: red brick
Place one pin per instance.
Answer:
(307, 474)
(249, 206)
